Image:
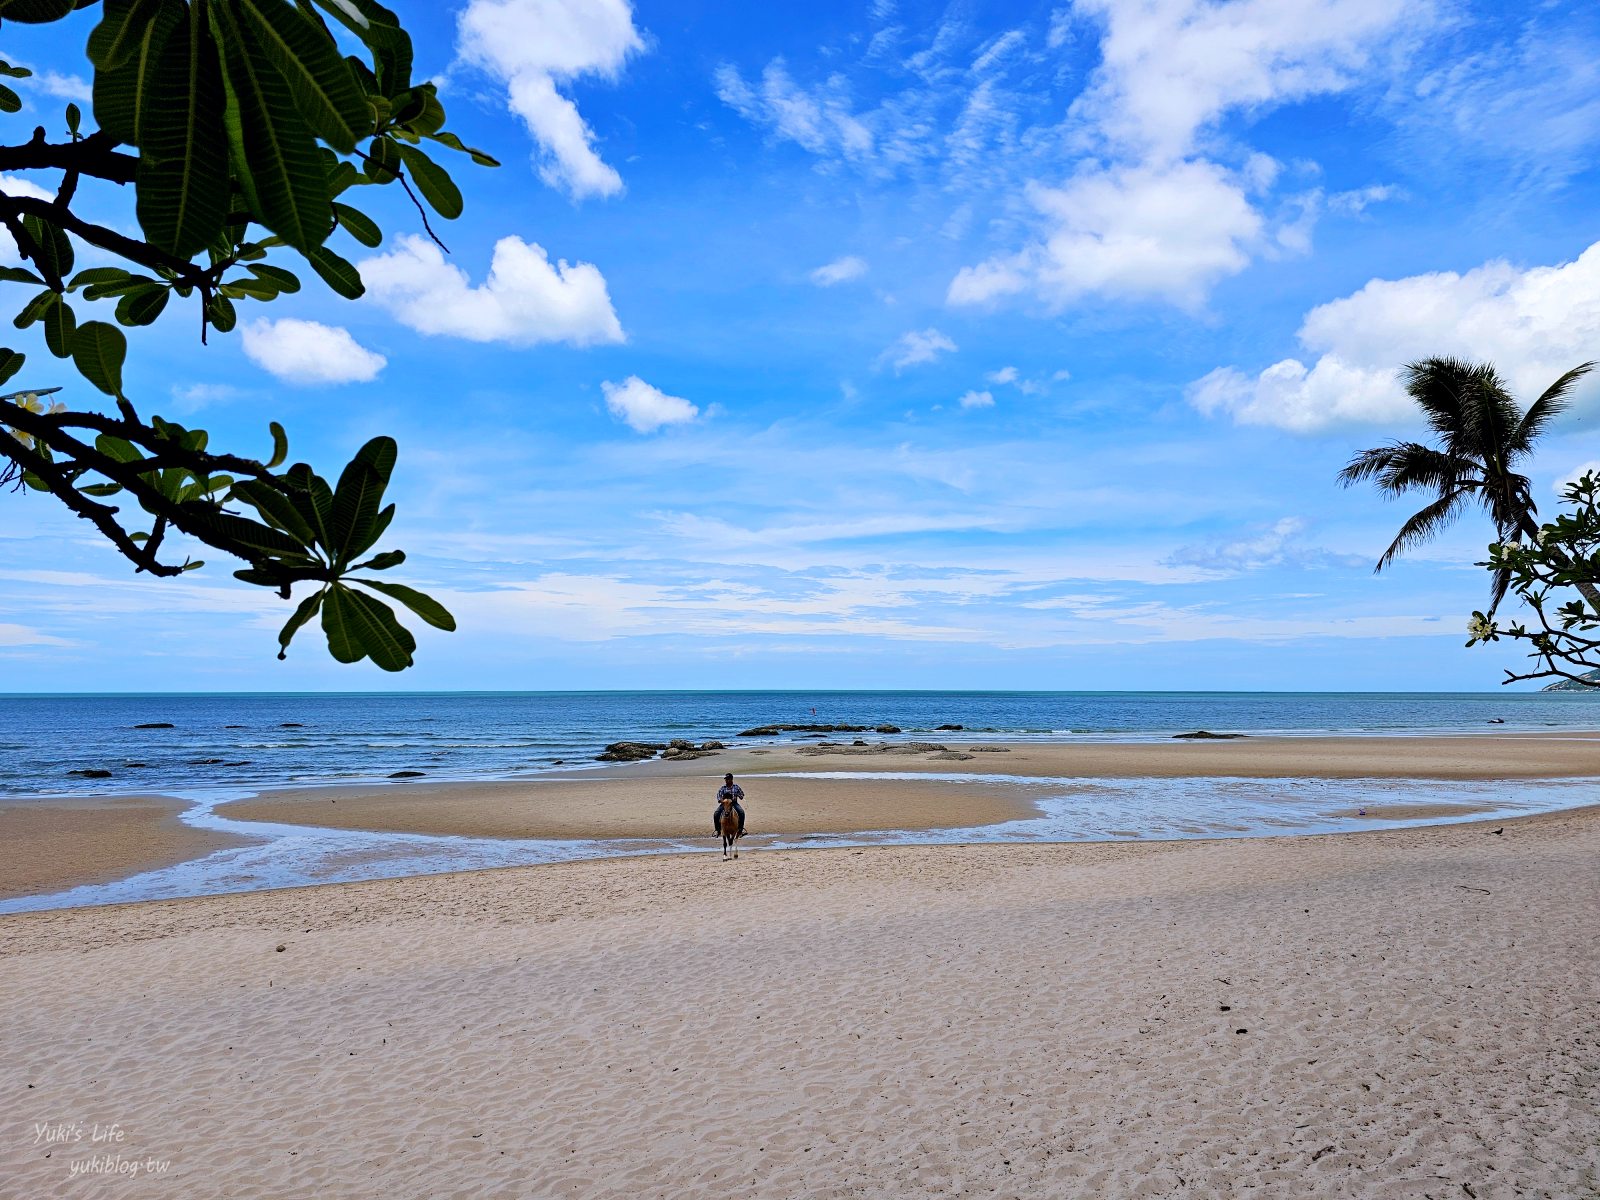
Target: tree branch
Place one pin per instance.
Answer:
(95, 156)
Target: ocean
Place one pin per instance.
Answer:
(247, 741)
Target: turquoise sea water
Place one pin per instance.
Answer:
(253, 741)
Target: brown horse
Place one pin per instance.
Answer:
(728, 823)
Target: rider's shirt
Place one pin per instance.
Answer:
(730, 791)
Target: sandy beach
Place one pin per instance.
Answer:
(1405, 1013)
(667, 799)
(60, 842)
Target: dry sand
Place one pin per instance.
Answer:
(671, 800)
(50, 844)
(1412, 1013)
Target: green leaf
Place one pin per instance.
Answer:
(55, 248)
(360, 226)
(97, 275)
(382, 562)
(98, 350)
(312, 496)
(222, 314)
(277, 509)
(116, 38)
(118, 449)
(74, 119)
(433, 181)
(14, 72)
(285, 281)
(101, 489)
(182, 187)
(19, 275)
(338, 273)
(319, 80)
(60, 324)
(355, 512)
(307, 609)
(252, 535)
(455, 143)
(382, 161)
(275, 155)
(144, 306)
(280, 445)
(360, 627)
(10, 363)
(380, 30)
(35, 12)
(122, 87)
(10, 102)
(33, 310)
(425, 606)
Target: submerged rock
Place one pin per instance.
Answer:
(953, 728)
(1205, 735)
(92, 772)
(156, 725)
(775, 730)
(406, 774)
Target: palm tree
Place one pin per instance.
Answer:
(1482, 436)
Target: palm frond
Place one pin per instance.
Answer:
(1404, 466)
(1550, 405)
(1422, 525)
(1438, 385)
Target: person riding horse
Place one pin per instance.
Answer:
(729, 791)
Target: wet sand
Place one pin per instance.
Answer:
(671, 800)
(50, 844)
(1405, 1013)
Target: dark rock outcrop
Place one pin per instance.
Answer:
(953, 728)
(629, 751)
(1205, 735)
(91, 772)
(156, 725)
(406, 774)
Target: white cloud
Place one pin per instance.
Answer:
(531, 46)
(819, 120)
(1164, 232)
(1171, 68)
(64, 87)
(645, 408)
(916, 347)
(1532, 324)
(978, 400)
(306, 352)
(1157, 218)
(1270, 547)
(1003, 375)
(840, 270)
(24, 635)
(524, 300)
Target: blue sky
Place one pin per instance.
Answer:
(895, 345)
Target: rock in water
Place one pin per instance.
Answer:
(406, 774)
(156, 725)
(1205, 735)
(91, 772)
(953, 728)
(629, 751)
